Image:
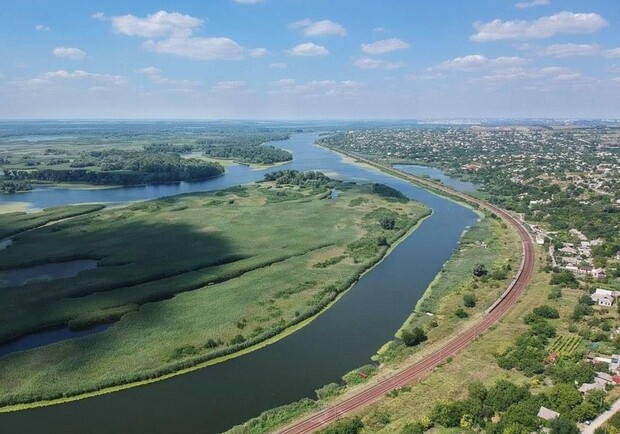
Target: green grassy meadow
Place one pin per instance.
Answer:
(187, 279)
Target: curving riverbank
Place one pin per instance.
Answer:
(421, 368)
(213, 399)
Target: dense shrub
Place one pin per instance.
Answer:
(414, 336)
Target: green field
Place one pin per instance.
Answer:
(187, 279)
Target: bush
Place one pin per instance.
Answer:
(480, 270)
(461, 313)
(239, 339)
(345, 426)
(447, 414)
(387, 223)
(564, 278)
(413, 428)
(545, 311)
(469, 300)
(414, 336)
(328, 391)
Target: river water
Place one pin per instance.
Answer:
(344, 337)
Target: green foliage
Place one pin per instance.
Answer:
(387, 223)
(414, 336)
(480, 270)
(504, 393)
(413, 428)
(571, 370)
(545, 311)
(389, 193)
(269, 420)
(328, 391)
(555, 293)
(469, 300)
(564, 397)
(120, 167)
(331, 261)
(302, 179)
(14, 223)
(360, 375)
(460, 313)
(563, 425)
(564, 278)
(345, 426)
(447, 414)
(265, 154)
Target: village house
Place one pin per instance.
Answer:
(546, 414)
(603, 297)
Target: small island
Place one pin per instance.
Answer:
(180, 281)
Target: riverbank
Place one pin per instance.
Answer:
(323, 253)
(398, 354)
(487, 242)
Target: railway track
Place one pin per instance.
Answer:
(419, 369)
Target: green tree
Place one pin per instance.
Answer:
(387, 223)
(447, 414)
(545, 311)
(414, 336)
(563, 425)
(564, 397)
(469, 300)
(480, 270)
(504, 393)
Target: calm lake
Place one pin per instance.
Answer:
(213, 399)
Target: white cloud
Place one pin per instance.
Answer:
(278, 65)
(545, 27)
(198, 48)
(159, 24)
(317, 88)
(379, 30)
(227, 86)
(99, 16)
(308, 49)
(149, 70)
(368, 63)
(547, 74)
(69, 52)
(171, 33)
(568, 76)
(574, 50)
(258, 52)
(477, 61)
(532, 3)
(385, 46)
(42, 28)
(77, 75)
(318, 28)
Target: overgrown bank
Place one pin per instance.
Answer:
(215, 296)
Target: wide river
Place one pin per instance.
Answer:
(344, 337)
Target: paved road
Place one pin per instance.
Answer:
(599, 421)
(422, 367)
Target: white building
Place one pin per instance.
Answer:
(603, 297)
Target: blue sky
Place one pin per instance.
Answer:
(309, 59)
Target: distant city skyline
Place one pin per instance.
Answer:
(309, 59)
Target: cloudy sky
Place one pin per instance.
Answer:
(309, 59)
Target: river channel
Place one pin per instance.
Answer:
(344, 337)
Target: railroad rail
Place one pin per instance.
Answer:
(421, 368)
